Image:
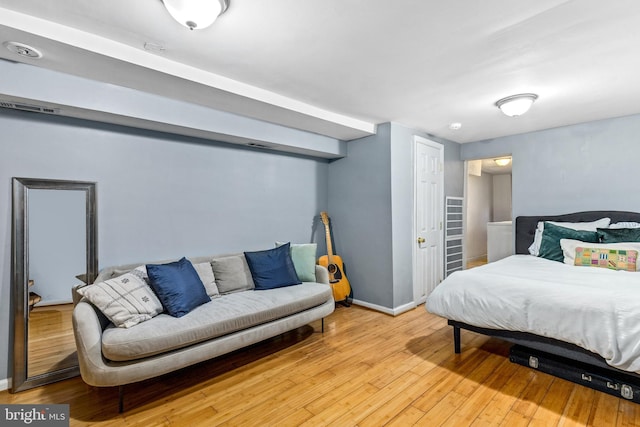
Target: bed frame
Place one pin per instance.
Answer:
(524, 232)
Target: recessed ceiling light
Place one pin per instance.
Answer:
(455, 126)
(23, 50)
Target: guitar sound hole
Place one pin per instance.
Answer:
(335, 271)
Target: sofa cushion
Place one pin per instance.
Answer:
(178, 286)
(232, 274)
(272, 268)
(221, 316)
(125, 300)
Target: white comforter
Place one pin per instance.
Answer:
(595, 308)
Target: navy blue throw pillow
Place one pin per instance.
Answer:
(272, 268)
(177, 286)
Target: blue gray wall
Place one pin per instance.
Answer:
(360, 211)
(160, 196)
(589, 166)
(371, 204)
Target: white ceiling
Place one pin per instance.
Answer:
(338, 68)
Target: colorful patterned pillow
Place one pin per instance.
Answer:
(615, 259)
(569, 250)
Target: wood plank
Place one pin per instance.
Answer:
(605, 411)
(578, 408)
(407, 417)
(550, 409)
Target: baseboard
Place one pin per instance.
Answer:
(5, 384)
(386, 310)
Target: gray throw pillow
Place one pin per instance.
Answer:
(232, 274)
(205, 272)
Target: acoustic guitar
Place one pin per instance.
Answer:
(333, 263)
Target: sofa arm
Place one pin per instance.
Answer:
(322, 274)
(88, 325)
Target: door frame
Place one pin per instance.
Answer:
(440, 263)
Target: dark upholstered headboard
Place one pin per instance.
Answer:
(526, 225)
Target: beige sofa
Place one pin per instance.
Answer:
(111, 356)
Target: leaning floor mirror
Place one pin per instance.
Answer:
(54, 246)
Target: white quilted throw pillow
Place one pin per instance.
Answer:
(126, 300)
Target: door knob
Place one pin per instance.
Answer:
(421, 240)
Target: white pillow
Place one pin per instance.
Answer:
(126, 300)
(569, 249)
(625, 225)
(205, 272)
(534, 249)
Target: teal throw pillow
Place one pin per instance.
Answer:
(616, 235)
(550, 245)
(303, 256)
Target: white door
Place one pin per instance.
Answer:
(429, 212)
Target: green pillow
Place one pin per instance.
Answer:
(616, 235)
(304, 260)
(550, 244)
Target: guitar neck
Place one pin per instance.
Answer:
(327, 234)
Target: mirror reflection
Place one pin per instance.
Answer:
(54, 250)
(57, 254)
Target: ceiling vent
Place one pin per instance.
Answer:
(29, 107)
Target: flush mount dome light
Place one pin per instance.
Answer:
(502, 162)
(516, 105)
(196, 14)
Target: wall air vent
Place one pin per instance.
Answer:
(29, 107)
(256, 145)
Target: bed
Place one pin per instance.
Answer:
(581, 316)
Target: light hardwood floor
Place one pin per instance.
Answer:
(476, 262)
(367, 369)
(51, 344)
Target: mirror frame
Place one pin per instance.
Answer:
(20, 272)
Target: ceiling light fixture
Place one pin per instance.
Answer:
(516, 105)
(502, 162)
(196, 14)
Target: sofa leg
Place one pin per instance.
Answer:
(323, 325)
(121, 399)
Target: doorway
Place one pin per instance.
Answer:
(428, 217)
(488, 194)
